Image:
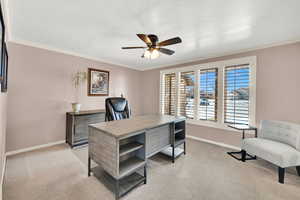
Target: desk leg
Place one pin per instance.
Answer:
(89, 166)
(117, 189)
(145, 174)
(173, 154)
(256, 132)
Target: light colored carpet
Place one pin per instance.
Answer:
(206, 172)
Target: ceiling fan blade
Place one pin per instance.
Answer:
(166, 51)
(145, 38)
(170, 41)
(134, 47)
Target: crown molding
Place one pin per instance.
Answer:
(6, 16)
(224, 54)
(186, 62)
(57, 50)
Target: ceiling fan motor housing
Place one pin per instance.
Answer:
(154, 39)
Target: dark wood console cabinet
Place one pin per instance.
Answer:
(77, 125)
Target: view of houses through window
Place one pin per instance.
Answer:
(201, 86)
(186, 94)
(208, 94)
(236, 96)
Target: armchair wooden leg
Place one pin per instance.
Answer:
(298, 170)
(244, 153)
(281, 175)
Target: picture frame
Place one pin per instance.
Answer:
(5, 69)
(98, 82)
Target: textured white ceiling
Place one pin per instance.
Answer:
(98, 28)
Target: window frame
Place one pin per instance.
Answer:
(220, 65)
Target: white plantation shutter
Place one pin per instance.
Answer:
(168, 95)
(211, 94)
(208, 82)
(186, 94)
(236, 94)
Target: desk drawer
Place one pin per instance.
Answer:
(157, 138)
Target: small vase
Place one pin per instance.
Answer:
(76, 107)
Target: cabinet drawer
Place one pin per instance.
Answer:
(157, 138)
(82, 122)
(90, 119)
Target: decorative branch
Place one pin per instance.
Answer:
(79, 78)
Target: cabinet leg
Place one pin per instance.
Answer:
(89, 166)
(184, 148)
(281, 175)
(298, 170)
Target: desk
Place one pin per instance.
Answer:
(121, 148)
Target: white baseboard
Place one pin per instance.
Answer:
(213, 142)
(10, 153)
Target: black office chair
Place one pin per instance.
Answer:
(117, 108)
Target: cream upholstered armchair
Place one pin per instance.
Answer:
(277, 142)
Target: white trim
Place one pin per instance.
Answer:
(57, 50)
(252, 92)
(220, 65)
(196, 94)
(210, 124)
(177, 93)
(10, 153)
(217, 64)
(37, 45)
(187, 62)
(213, 142)
(161, 91)
(3, 170)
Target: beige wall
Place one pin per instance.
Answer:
(3, 100)
(3, 116)
(278, 96)
(41, 92)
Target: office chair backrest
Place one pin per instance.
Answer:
(116, 108)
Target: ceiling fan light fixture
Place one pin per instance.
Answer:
(147, 54)
(154, 54)
(151, 54)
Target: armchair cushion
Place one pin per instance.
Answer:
(278, 153)
(283, 132)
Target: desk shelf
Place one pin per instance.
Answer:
(178, 142)
(178, 130)
(130, 147)
(177, 139)
(126, 184)
(130, 165)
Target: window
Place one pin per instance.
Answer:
(169, 91)
(236, 94)
(186, 94)
(208, 94)
(211, 94)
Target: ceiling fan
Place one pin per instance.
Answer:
(154, 47)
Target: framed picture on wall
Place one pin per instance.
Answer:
(98, 82)
(5, 69)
